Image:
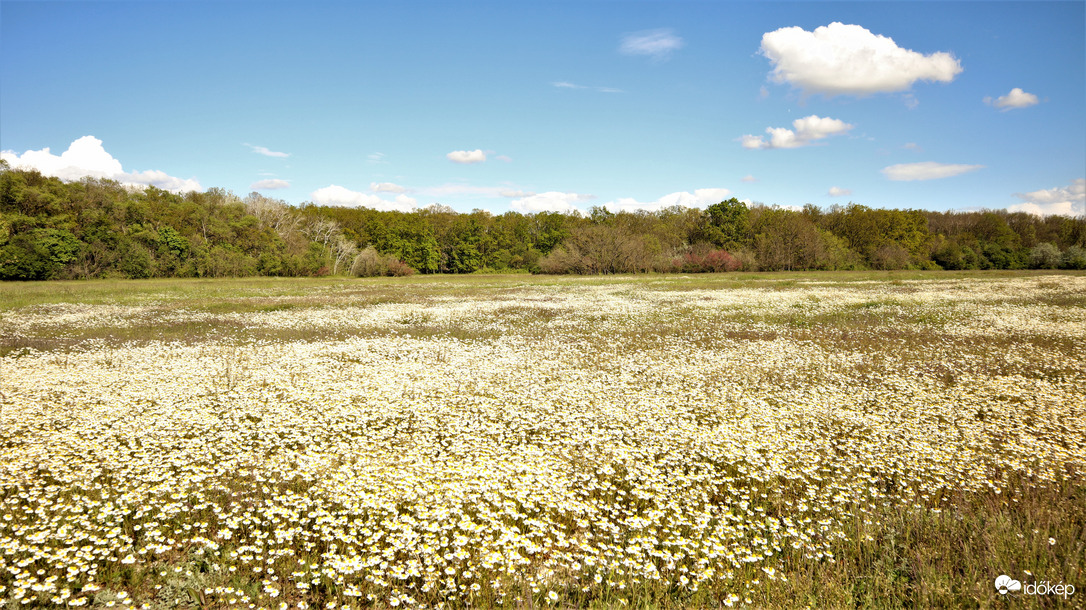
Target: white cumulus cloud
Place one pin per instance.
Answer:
(836, 191)
(272, 183)
(1066, 201)
(805, 132)
(466, 156)
(86, 157)
(848, 59)
(1015, 99)
(926, 170)
(657, 44)
(334, 194)
(550, 201)
(700, 198)
(260, 150)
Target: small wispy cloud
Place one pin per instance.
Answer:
(377, 157)
(387, 187)
(748, 178)
(1017, 98)
(466, 156)
(836, 191)
(463, 189)
(260, 150)
(926, 170)
(657, 44)
(515, 193)
(569, 85)
(271, 184)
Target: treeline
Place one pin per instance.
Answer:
(99, 228)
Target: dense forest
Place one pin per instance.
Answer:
(50, 229)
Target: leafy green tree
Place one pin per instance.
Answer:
(40, 254)
(548, 230)
(24, 259)
(173, 242)
(62, 246)
(411, 241)
(729, 224)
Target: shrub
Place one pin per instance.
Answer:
(136, 261)
(951, 255)
(367, 263)
(747, 260)
(1045, 256)
(704, 260)
(559, 261)
(600, 249)
(1074, 258)
(398, 268)
(891, 256)
(371, 263)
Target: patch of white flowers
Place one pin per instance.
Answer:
(550, 441)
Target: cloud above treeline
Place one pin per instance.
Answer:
(567, 202)
(335, 195)
(1068, 200)
(700, 198)
(841, 59)
(550, 201)
(85, 157)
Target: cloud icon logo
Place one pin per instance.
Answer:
(1005, 583)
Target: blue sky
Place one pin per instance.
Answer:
(557, 105)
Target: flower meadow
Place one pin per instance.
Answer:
(535, 442)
